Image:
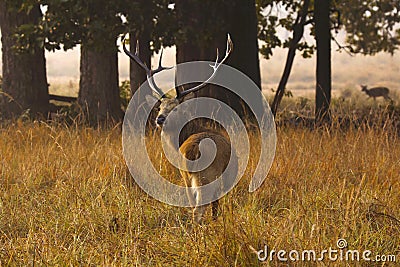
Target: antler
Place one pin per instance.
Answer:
(149, 72)
(215, 66)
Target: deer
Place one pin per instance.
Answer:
(376, 92)
(191, 135)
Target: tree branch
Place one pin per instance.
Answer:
(348, 49)
(298, 31)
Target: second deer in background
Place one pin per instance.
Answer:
(376, 92)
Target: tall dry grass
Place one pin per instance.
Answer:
(67, 199)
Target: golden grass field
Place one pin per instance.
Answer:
(66, 199)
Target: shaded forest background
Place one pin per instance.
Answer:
(195, 28)
(348, 72)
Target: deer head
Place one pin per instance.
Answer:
(168, 104)
(364, 88)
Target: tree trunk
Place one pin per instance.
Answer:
(324, 80)
(137, 74)
(244, 31)
(98, 87)
(213, 19)
(298, 31)
(24, 75)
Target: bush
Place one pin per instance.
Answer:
(125, 94)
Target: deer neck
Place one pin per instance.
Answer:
(192, 127)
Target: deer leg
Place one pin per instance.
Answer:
(199, 210)
(191, 194)
(198, 213)
(190, 191)
(215, 212)
(215, 204)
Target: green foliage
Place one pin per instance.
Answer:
(279, 15)
(125, 93)
(153, 17)
(370, 25)
(95, 23)
(197, 29)
(287, 93)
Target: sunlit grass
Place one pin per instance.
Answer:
(66, 199)
(69, 88)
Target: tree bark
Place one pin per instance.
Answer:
(24, 74)
(98, 87)
(323, 72)
(137, 74)
(235, 17)
(244, 30)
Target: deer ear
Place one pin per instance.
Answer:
(151, 100)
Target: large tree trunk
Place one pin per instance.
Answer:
(137, 74)
(213, 19)
(24, 75)
(194, 16)
(244, 30)
(98, 87)
(324, 80)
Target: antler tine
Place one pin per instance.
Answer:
(215, 66)
(160, 67)
(229, 45)
(216, 61)
(135, 56)
(149, 72)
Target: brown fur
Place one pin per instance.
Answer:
(376, 92)
(190, 150)
(189, 139)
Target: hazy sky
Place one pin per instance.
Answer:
(347, 71)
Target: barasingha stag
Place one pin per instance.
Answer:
(191, 136)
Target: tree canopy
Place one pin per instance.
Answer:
(370, 26)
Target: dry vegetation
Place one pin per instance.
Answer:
(67, 199)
